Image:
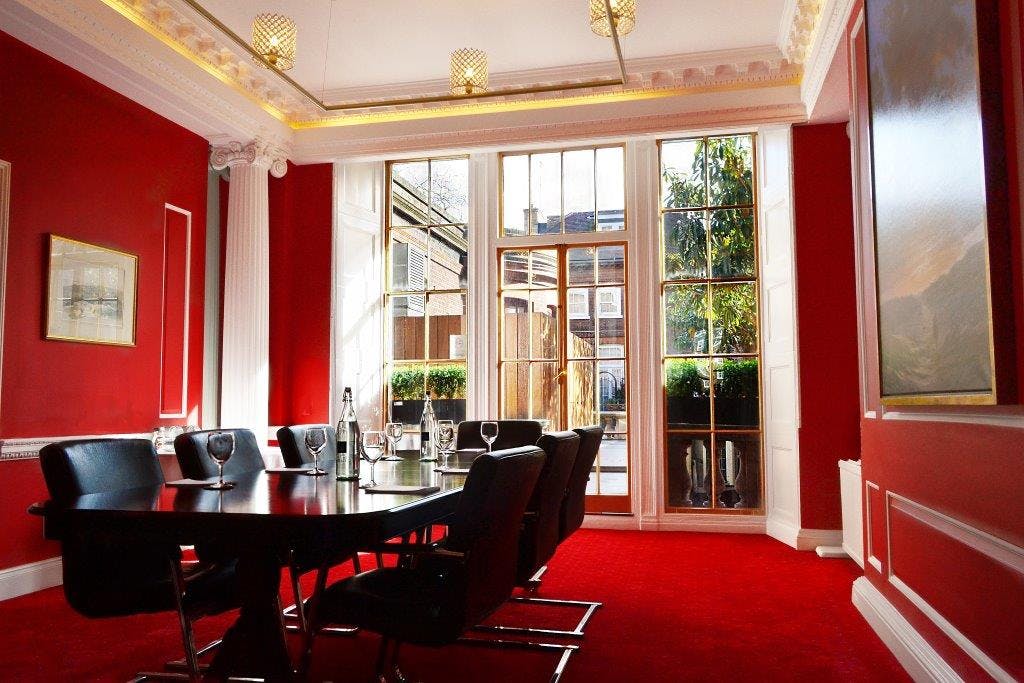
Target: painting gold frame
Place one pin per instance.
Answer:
(94, 325)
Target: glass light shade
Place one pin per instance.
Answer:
(274, 38)
(469, 71)
(623, 13)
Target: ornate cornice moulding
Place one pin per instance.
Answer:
(181, 26)
(674, 123)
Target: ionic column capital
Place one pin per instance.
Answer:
(259, 153)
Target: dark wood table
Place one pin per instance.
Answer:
(264, 517)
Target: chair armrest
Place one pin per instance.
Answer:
(39, 509)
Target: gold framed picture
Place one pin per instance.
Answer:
(91, 293)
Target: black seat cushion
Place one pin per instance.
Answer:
(433, 602)
(574, 506)
(511, 434)
(541, 531)
(110, 574)
(196, 463)
(292, 440)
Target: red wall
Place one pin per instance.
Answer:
(947, 519)
(89, 164)
(300, 294)
(827, 310)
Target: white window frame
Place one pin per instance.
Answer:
(616, 303)
(580, 308)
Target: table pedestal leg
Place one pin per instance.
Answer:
(254, 646)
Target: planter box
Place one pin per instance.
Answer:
(689, 412)
(410, 412)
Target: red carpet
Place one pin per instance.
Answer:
(677, 607)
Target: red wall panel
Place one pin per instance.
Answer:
(951, 523)
(173, 363)
(88, 163)
(826, 283)
(300, 294)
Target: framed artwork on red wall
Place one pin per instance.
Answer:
(91, 293)
(940, 210)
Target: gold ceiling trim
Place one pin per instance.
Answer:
(298, 118)
(530, 105)
(143, 22)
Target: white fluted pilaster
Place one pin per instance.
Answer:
(245, 357)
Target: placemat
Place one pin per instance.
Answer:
(402, 488)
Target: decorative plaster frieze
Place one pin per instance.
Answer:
(799, 23)
(830, 31)
(256, 153)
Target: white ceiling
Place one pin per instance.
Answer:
(381, 42)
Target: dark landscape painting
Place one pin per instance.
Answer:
(934, 318)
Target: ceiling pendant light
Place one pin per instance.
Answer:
(273, 38)
(468, 71)
(623, 14)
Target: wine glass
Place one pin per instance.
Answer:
(220, 446)
(394, 431)
(373, 449)
(445, 436)
(316, 441)
(489, 433)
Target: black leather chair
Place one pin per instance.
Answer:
(452, 584)
(511, 434)
(196, 463)
(107, 575)
(559, 516)
(541, 524)
(574, 505)
(292, 440)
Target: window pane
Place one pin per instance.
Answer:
(686, 246)
(687, 393)
(611, 395)
(611, 264)
(581, 265)
(734, 318)
(578, 190)
(737, 390)
(732, 243)
(449, 258)
(686, 320)
(409, 190)
(682, 174)
(407, 341)
(544, 324)
(449, 190)
(611, 330)
(447, 326)
(738, 469)
(546, 192)
(544, 390)
(515, 269)
(515, 195)
(612, 477)
(580, 320)
(730, 171)
(689, 470)
(611, 186)
(515, 390)
(408, 271)
(543, 268)
(581, 385)
(516, 327)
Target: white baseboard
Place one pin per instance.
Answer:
(802, 539)
(31, 577)
(919, 658)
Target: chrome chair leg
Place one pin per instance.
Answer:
(566, 649)
(576, 632)
(187, 636)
